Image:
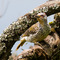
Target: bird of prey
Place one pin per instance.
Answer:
(36, 32)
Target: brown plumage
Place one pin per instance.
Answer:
(32, 30)
(36, 32)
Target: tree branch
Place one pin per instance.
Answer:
(12, 33)
(49, 49)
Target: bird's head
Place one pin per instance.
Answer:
(42, 18)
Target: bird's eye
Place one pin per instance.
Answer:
(42, 15)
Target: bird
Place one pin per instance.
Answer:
(37, 32)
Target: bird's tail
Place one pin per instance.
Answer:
(21, 44)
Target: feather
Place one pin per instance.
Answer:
(32, 30)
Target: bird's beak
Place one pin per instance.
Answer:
(38, 16)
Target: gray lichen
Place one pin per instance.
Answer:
(12, 33)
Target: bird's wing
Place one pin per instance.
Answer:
(32, 30)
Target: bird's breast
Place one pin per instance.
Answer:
(41, 34)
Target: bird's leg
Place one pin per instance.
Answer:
(37, 43)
